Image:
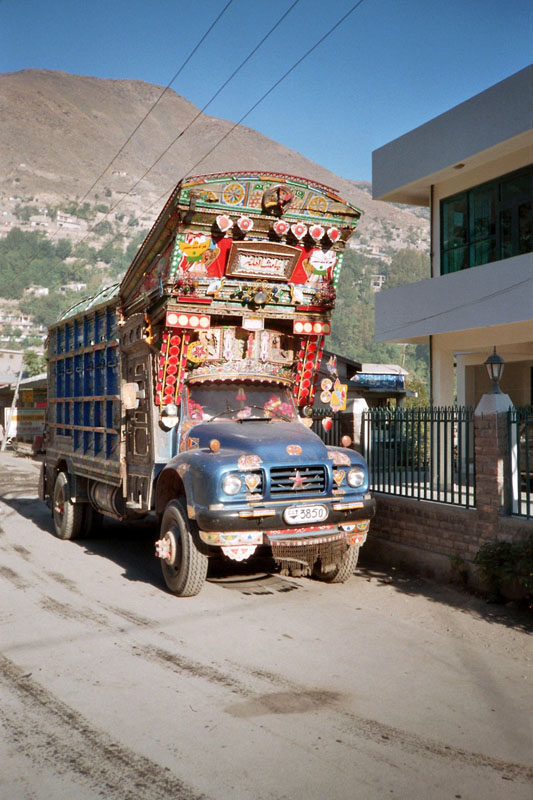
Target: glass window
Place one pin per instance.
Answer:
(482, 213)
(489, 222)
(516, 186)
(239, 400)
(454, 219)
(454, 260)
(524, 228)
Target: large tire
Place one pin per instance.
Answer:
(67, 516)
(341, 571)
(186, 573)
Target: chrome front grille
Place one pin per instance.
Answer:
(298, 481)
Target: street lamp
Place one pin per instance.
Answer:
(495, 366)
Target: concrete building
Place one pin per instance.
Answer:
(473, 167)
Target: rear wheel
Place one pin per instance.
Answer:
(341, 571)
(68, 516)
(185, 569)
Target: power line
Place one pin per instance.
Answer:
(469, 304)
(280, 80)
(310, 50)
(263, 97)
(200, 112)
(152, 107)
(144, 118)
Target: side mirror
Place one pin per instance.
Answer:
(131, 394)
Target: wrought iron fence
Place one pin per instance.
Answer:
(521, 460)
(425, 453)
(329, 430)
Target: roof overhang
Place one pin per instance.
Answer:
(483, 129)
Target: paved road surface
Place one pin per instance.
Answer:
(261, 687)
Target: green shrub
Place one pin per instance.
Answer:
(500, 563)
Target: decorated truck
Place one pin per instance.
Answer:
(187, 389)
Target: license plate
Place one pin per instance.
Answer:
(302, 515)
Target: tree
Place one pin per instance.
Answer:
(407, 266)
(25, 212)
(34, 363)
(103, 228)
(63, 249)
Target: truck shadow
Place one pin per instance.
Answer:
(131, 546)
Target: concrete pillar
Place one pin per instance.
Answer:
(359, 407)
(493, 470)
(442, 375)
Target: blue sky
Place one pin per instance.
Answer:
(391, 65)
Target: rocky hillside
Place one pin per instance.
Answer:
(58, 132)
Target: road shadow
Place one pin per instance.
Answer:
(131, 545)
(512, 615)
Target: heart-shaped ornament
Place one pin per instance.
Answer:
(316, 232)
(224, 222)
(334, 234)
(327, 423)
(281, 227)
(245, 224)
(252, 481)
(338, 476)
(299, 230)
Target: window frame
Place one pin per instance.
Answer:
(498, 237)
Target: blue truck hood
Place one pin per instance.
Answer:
(268, 439)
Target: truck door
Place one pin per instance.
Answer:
(139, 442)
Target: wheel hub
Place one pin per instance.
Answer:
(166, 548)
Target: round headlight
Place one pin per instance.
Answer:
(232, 484)
(355, 477)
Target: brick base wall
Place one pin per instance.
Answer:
(432, 538)
(438, 539)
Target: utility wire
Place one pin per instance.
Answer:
(280, 80)
(200, 112)
(263, 97)
(145, 117)
(152, 107)
(328, 33)
(469, 304)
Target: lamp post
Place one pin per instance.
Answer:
(495, 366)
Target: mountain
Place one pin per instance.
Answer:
(65, 229)
(59, 131)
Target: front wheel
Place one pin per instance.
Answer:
(341, 571)
(68, 516)
(185, 567)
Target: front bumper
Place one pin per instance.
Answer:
(256, 522)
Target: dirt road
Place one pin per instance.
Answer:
(261, 687)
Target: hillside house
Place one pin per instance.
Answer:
(473, 167)
(66, 221)
(72, 287)
(37, 291)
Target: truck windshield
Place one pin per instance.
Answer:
(239, 400)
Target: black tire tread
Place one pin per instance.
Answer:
(187, 579)
(343, 571)
(70, 525)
